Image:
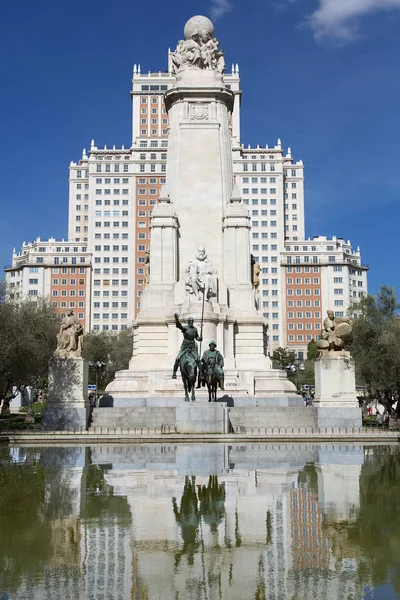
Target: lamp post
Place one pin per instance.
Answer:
(295, 367)
(97, 365)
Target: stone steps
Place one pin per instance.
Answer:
(157, 416)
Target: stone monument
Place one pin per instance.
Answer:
(67, 405)
(335, 381)
(200, 261)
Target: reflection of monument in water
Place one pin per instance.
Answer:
(260, 536)
(200, 261)
(153, 523)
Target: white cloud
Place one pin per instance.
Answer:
(338, 19)
(219, 8)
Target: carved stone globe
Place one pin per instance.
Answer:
(196, 25)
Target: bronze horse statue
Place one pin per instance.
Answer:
(188, 369)
(211, 380)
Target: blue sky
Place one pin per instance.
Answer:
(323, 75)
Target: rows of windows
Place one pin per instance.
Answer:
(272, 191)
(258, 179)
(71, 281)
(107, 168)
(63, 270)
(115, 202)
(109, 191)
(116, 180)
(108, 271)
(107, 328)
(144, 168)
(71, 304)
(306, 303)
(307, 315)
(107, 236)
(301, 326)
(263, 201)
(66, 293)
(113, 259)
(114, 224)
(153, 144)
(106, 316)
(107, 304)
(114, 247)
(305, 292)
(112, 282)
(299, 280)
(106, 293)
(300, 338)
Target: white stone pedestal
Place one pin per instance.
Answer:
(67, 405)
(335, 391)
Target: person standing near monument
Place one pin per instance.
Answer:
(188, 346)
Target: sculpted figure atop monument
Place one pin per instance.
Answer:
(334, 334)
(201, 276)
(69, 338)
(200, 49)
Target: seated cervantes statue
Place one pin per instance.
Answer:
(69, 338)
(201, 276)
(335, 332)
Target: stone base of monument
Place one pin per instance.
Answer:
(244, 388)
(335, 391)
(183, 417)
(67, 406)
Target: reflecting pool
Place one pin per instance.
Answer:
(200, 521)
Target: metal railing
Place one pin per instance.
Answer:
(312, 430)
(171, 428)
(35, 428)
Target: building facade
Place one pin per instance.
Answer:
(112, 192)
(318, 275)
(57, 270)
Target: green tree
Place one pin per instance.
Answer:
(312, 350)
(282, 358)
(28, 339)
(112, 349)
(376, 345)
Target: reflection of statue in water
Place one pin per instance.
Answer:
(211, 509)
(188, 517)
(334, 334)
(212, 502)
(69, 338)
(201, 276)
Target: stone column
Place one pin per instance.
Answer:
(335, 391)
(67, 405)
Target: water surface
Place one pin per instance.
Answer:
(174, 522)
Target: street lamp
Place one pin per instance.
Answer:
(97, 365)
(295, 367)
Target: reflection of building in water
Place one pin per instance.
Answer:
(107, 559)
(149, 530)
(66, 542)
(310, 550)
